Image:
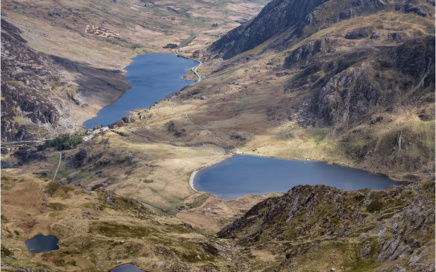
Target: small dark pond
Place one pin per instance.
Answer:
(152, 77)
(242, 175)
(127, 268)
(41, 243)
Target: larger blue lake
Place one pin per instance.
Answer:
(152, 77)
(242, 175)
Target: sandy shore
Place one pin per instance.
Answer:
(191, 180)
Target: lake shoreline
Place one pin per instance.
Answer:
(191, 180)
(285, 174)
(338, 162)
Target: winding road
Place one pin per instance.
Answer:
(194, 69)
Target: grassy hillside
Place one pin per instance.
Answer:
(99, 231)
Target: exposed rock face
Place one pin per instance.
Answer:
(275, 18)
(362, 83)
(393, 226)
(28, 79)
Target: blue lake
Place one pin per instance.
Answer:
(242, 175)
(41, 243)
(152, 77)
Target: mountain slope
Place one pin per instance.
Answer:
(354, 85)
(44, 95)
(319, 227)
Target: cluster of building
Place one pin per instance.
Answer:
(92, 132)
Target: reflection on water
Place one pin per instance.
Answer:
(243, 175)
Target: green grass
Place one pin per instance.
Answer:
(114, 229)
(158, 12)
(144, 50)
(197, 22)
(318, 136)
(198, 201)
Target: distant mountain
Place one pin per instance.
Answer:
(288, 20)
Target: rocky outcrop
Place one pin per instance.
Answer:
(359, 33)
(402, 235)
(306, 51)
(393, 227)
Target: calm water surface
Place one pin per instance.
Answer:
(243, 175)
(127, 268)
(41, 243)
(152, 77)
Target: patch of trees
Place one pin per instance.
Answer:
(63, 142)
(171, 46)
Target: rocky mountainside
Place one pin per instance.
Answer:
(44, 95)
(349, 82)
(346, 74)
(389, 230)
(358, 75)
(27, 82)
(355, 82)
(289, 20)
